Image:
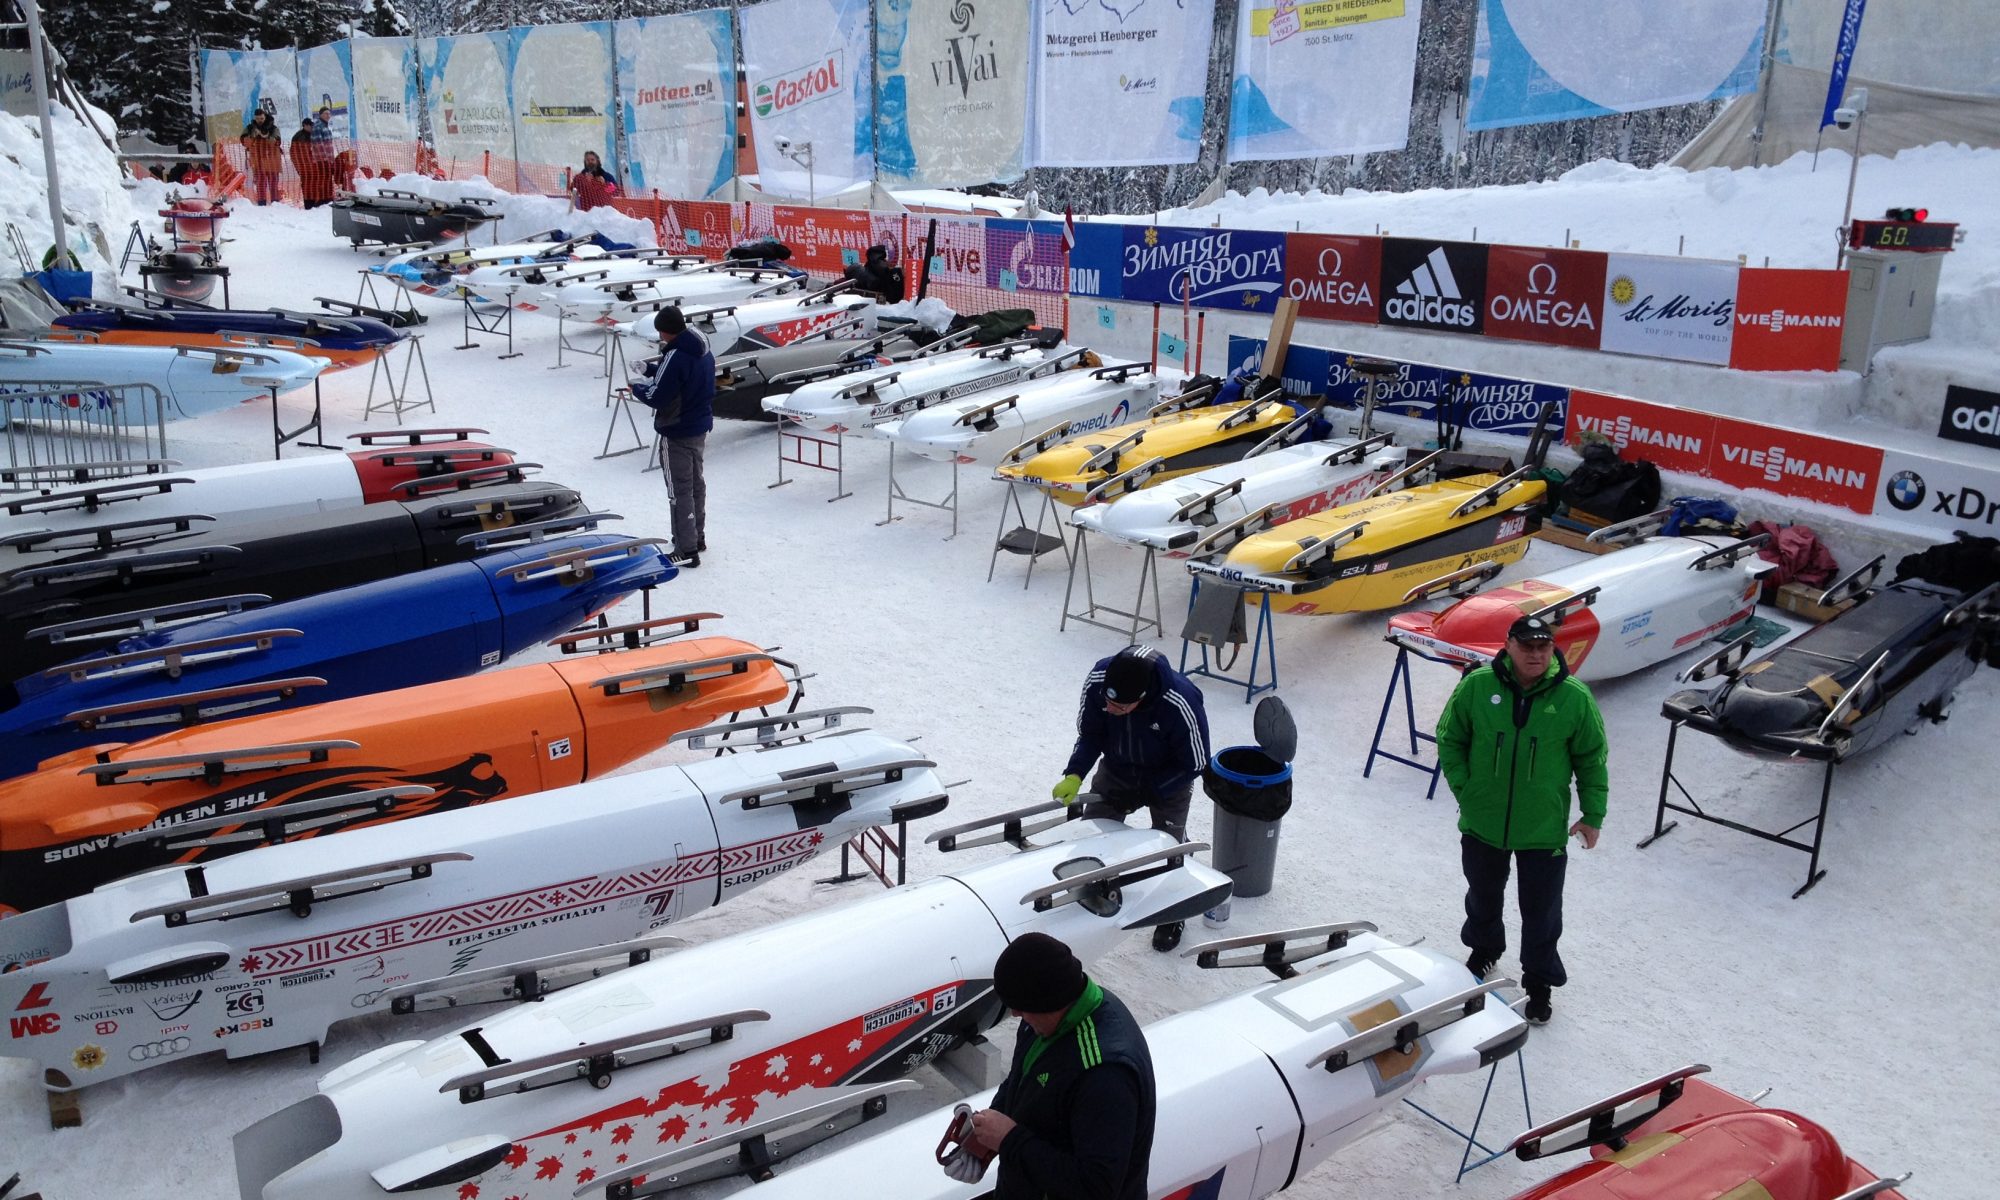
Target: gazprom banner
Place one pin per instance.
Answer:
(385, 90)
(561, 86)
(1552, 60)
(807, 65)
(1322, 77)
(951, 91)
(237, 83)
(1025, 256)
(1207, 268)
(326, 80)
(1140, 70)
(677, 79)
(1493, 403)
(465, 89)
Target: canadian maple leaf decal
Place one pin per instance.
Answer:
(741, 1109)
(673, 1129)
(516, 1155)
(548, 1168)
(468, 1191)
(621, 1135)
(569, 1139)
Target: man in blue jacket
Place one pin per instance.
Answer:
(1146, 724)
(680, 389)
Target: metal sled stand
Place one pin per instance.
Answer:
(619, 399)
(948, 504)
(792, 437)
(1135, 618)
(501, 322)
(1466, 1163)
(1693, 808)
(397, 398)
(1023, 540)
(368, 302)
(1399, 685)
(604, 351)
(1262, 642)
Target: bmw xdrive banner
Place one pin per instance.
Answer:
(1322, 77)
(562, 100)
(807, 64)
(1206, 268)
(1138, 69)
(677, 84)
(465, 92)
(951, 91)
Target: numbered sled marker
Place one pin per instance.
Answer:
(539, 1100)
(267, 949)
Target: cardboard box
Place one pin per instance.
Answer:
(1804, 600)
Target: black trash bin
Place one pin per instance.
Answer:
(1252, 790)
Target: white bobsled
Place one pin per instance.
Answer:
(943, 372)
(538, 1100)
(1293, 481)
(191, 379)
(615, 302)
(266, 949)
(1614, 614)
(1253, 1091)
(530, 286)
(440, 271)
(753, 325)
(1058, 390)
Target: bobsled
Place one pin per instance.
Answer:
(194, 218)
(1294, 479)
(617, 302)
(1680, 1136)
(733, 329)
(1251, 1091)
(1614, 614)
(399, 218)
(857, 400)
(531, 286)
(186, 271)
(1063, 388)
(104, 812)
(268, 949)
(743, 380)
(388, 466)
(344, 341)
(440, 271)
(440, 623)
(191, 379)
(177, 560)
(539, 1100)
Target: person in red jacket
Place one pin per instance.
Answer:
(593, 186)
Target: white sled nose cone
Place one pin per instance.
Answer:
(282, 1141)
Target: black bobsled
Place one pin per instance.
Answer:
(401, 218)
(743, 380)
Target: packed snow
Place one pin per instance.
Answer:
(1691, 950)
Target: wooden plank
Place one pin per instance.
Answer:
(1279, 340)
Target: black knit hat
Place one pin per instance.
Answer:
(1129, 678)
(1038, 974)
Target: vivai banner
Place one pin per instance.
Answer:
(677, 75)
(951, 91)
(1492, 403)
(1206, 268)
(1136, 71)
(807, 66)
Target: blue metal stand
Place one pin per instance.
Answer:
(1466, 1163)
(1399, 680)
(1263, 642)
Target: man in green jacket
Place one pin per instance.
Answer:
(1512, 735)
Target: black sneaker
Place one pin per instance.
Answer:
(689, 561)
(701, 547)
(1167, 936)
(1480, 963)
(1539, 1009)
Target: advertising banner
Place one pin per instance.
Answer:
(1207, 268)
(1788, 320)
(1024, 256)
(1316, 78)
(385, 90)
(1439, 286)
(696, 227)
(1541, 295)
(326, 81)
(1970, 415)
(811, 96)
(235, 84)
(1139, 69)
(951, 91)
(1553, 60)
(1097, 264)
(1668, 307)
(958, 256)
(17, 84)
(1939, 497)
(465, 89)
(1791, 463)
(677, 88)
(1843, 59)
(561, 91)
(823, 240)
(1673, 439)
(1492, 403)
(1334, 277)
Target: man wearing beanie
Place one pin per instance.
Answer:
(1074, 1117)
(1146, 724)
(679, 387)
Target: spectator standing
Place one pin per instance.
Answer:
(592, 186)
(680, 389)
(264, 146)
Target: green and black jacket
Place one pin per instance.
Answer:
(1083, 1105)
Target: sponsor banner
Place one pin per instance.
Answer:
(1141, 69)
(1673, 439)
(466, 94)
(1970, 415)
(1334, 277)
(1675, 308)
(235, 84)
(677, 101)
(1843, 58)
(17, 84)
(1554, 60)
(1439, 286)
(697, 227)
(1791, 463)
(1316, 78)
(1208, 268)
(1492, 403)
(1938, 497)
(806, 65)
(385, 89)
(823, 240)
(958, 256)
(1788, 320)
(561, 86)
(1540, 295)
(951, 91)
(1024, 256)
(326, 80)
(1097, 262)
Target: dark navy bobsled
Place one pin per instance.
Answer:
(398, 218)
(348, 340)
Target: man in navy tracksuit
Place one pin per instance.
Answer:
(1146, 723)
(681, 393)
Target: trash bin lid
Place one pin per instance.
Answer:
(1276, 733)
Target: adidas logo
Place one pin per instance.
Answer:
(1430, 296)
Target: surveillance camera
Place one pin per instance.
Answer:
(1844, 118)
(784, 144)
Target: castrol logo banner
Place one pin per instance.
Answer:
(807, 66)
(1333, 278)
(1544, 295)
(1788, 320)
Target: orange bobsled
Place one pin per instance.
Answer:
(101, 813)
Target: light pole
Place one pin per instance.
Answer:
(38, 69)
(1855, 113)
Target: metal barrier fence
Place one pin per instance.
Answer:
(52, 423)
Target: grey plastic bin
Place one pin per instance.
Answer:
(1252, 790)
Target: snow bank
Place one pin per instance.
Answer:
(524, 214)
(95, 204)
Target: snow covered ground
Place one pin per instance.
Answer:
(1866, 1005)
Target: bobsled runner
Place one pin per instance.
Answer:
(440, 623)
(744, 381)
(399, 218)
(191, 379)
(344, 341)
(857, 400)
(101, 813)
(174, 560)
(1068, 389)
(1252, 1091)
(538, 1100)
(441, 270)
(1614, 614)
(1679, 1136)
(734, 329)
(617, 302)
(267, 949)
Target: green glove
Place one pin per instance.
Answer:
(1066, 790)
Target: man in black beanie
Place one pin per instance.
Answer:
(1074, 1117)
(680, 389)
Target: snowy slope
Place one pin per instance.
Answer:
(1863, 1005)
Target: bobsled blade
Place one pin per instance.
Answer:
(1275, 950)
(275, 822)
(529, 979)
(1402, 1033)
(213, 764)
(172, 660)
(768, 732)
(1608, 1120)
(299, 894)
(1012, 827)
(605, 639)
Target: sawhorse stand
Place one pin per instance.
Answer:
(1263, 640)
(603, 352)
(1466, 1163)
(1135, 618)
(948, 504)
(279, 435)
(794, 432)
(623, 408)
(502, 322)
(1399, 683)
(402, 314)
(397, 396)
(1022, 540)
(875, 848)
(1662, 826)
